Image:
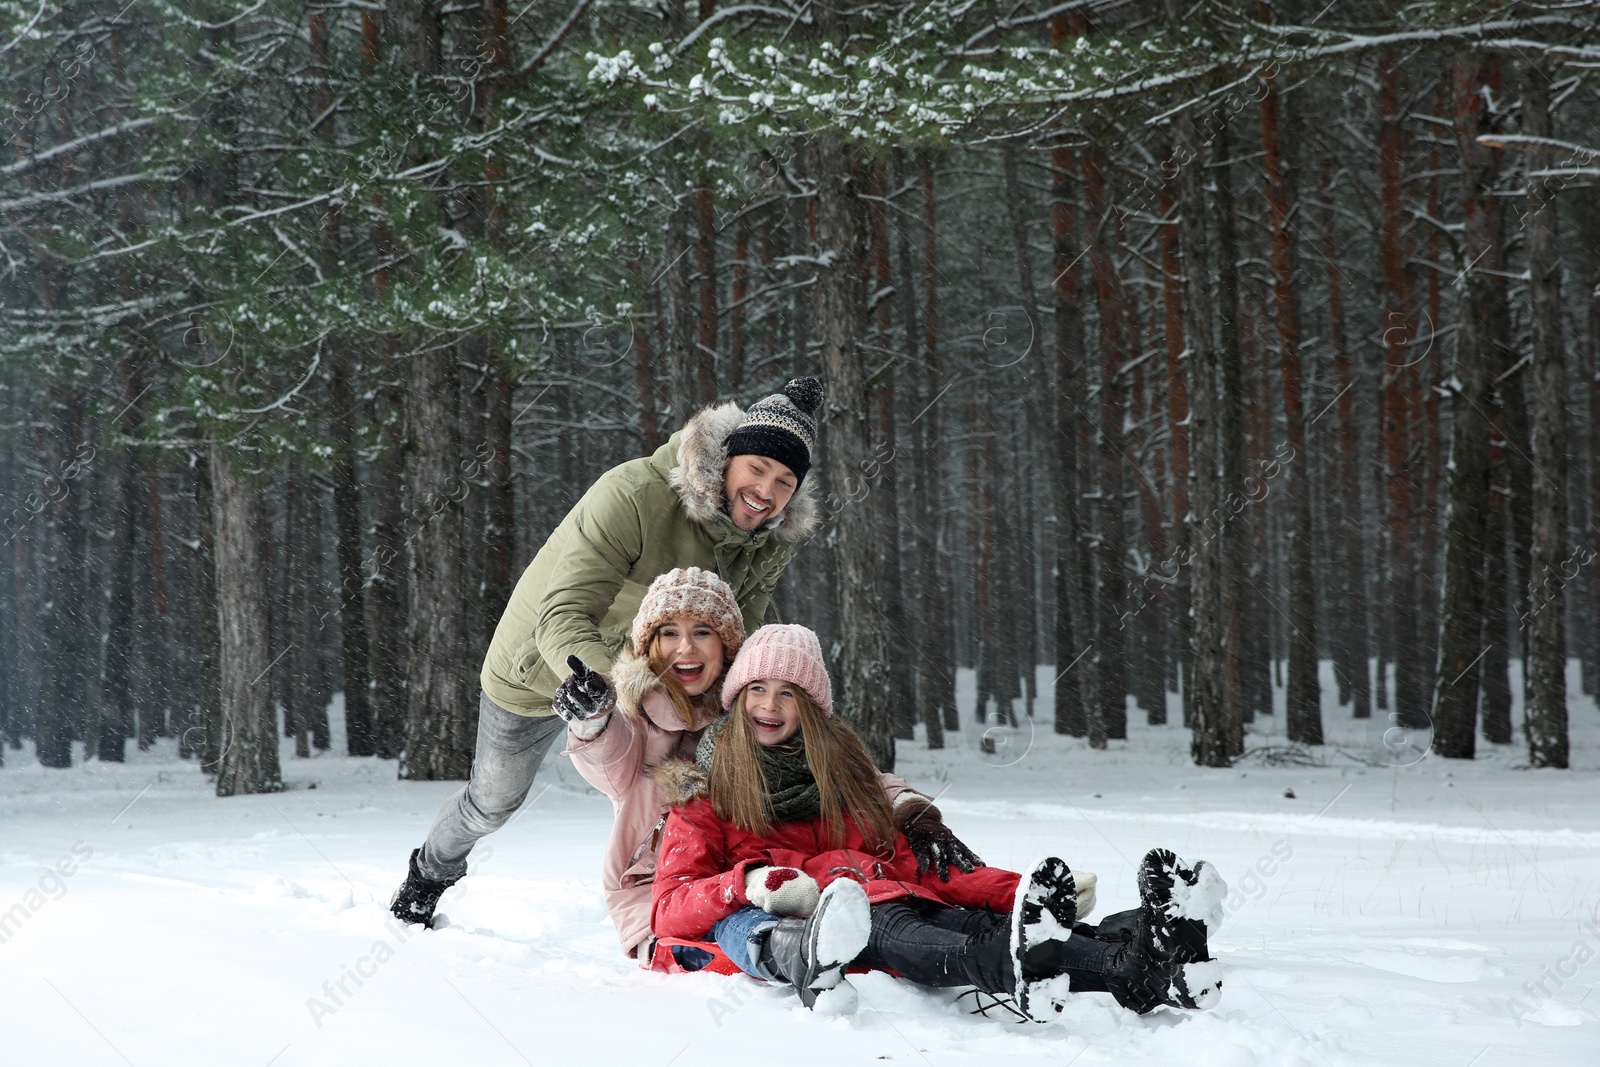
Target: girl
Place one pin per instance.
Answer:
(781, 849)
(663, 692)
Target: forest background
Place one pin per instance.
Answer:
(1206, 348)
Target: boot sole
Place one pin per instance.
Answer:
(835, 934)
(1162, 877)
(1045, 908)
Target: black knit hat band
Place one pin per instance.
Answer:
(773, 442)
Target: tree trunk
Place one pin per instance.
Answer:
(1493, 668)
(1110, 713)
(1456, 693)
(317, 664)
(1304, 708)
(208, 699)
(1245, 662)
(249, 756)
(928, 671)
(441, 714)
(66, 453)
(1218, 729)
(500, 502)
(151, 616)
(1588, 271)
(1177, 423)
(1072, 636)
(680, 345)
(644, 382)
(1546, 721)
(291, 598)
(107, 735)
(351, 607)
(11, 685)
(881, 471)
(840, 312)
(1030, 359)
(386, 600)
(1397, 413)
(937, 669)
(705, 357)
(982, 531)
(1349, 528)
(739, 292)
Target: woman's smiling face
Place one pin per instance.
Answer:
(774, 712)
(692, 653)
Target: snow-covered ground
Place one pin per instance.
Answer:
(1439, 913)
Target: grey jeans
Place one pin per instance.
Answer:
(508, 752)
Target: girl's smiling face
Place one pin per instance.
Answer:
(773, 710)
(691, 652)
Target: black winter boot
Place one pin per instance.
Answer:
(416, 898)
(1125, 963)
(1184, 902)
(1043, 915)
(988, 962)
(810, 954)
(1149, 957)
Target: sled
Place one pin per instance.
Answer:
(680, 955)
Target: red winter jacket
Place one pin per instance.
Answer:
(701, 871)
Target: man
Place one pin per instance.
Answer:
(727, 494)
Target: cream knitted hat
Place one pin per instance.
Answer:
(780, 650)
(693, 593)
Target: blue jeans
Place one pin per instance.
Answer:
(740, 935)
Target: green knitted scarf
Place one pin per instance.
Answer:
(792, 793)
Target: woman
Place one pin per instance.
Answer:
(665, 690)
(782, 851)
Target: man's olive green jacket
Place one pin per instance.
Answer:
(640, 520)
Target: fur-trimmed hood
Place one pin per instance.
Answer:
(680, 780)
(632, 679)
(700, 475)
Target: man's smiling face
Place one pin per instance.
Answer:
(757, 488)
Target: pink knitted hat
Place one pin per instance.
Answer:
(779, 650)
(693, 593)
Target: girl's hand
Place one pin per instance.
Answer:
(781, 890)
(931, 840)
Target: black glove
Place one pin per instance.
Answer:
(932, 842)
(584, 695)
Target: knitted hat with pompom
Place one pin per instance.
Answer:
(690, 592)
(782, 426)
(790, 653)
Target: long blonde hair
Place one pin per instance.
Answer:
(694, 711)
(847, 779)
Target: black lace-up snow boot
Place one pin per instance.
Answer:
(416, 898)
(1184, 902)
(1043, 915)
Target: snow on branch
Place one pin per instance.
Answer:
(22, 166)
(56, 196)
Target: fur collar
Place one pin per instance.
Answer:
(632, 679)
(700, 475)
(680, 780)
